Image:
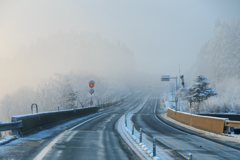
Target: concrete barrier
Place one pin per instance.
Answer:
(211, 124)
(32, 123)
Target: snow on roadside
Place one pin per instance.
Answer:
(7, 139)
(147, 144)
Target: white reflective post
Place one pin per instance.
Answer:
(190, 156)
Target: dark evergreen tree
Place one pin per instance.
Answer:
(199, 91)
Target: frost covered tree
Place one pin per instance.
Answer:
(199, 91)
(46, 95)
(219, 60)
(101, 89)
(80, 85)
(70, 96)
(16, 104)
(65, 91)
(221, 54)
(65, 94)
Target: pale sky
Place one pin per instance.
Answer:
(161, 33)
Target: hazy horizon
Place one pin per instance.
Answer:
(160, 34)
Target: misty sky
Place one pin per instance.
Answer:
(161, 33)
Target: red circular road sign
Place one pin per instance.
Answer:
(91, 84)
(91, 90)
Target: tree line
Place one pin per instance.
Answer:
(218, 60)
(63, 91)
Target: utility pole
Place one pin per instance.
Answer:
(179, 76)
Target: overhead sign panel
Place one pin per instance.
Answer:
(165, 78)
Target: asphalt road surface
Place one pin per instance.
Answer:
(179, 141)
(96, 139)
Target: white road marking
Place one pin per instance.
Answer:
(85, 122)
(49, 146)
(190, 129)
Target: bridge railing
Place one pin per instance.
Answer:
(32, 123)
(23, 125)
(10, 126)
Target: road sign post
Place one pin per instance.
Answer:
(91, 91)
(167, 78)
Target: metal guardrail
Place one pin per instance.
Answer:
(232, 123)
(10, 126)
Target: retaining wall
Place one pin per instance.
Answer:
(211, 124)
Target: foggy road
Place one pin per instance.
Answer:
(178, 142)
(50, 51)
(95, 139)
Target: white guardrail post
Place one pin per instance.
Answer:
(154, 146)
(125, 120)
(190, 156)
(139, 141)
(133, 129)
(140, 135)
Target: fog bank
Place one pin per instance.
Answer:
(64, 53)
